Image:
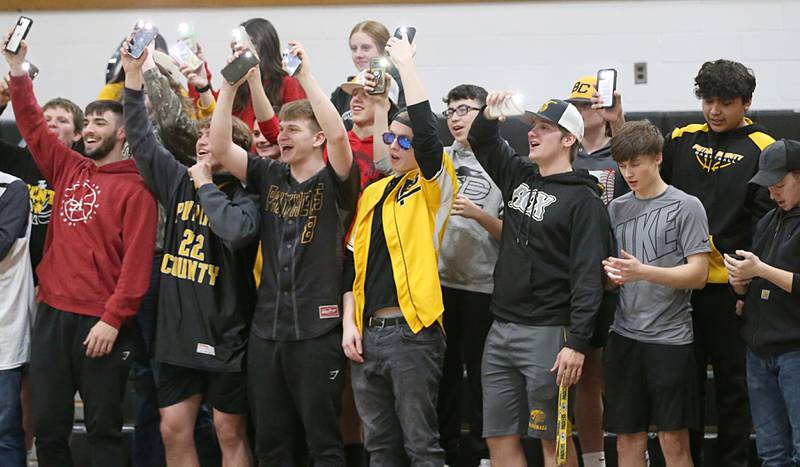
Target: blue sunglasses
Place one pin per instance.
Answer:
(402, 140)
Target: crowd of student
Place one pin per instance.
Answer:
(316, 271)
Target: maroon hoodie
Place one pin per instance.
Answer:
(99, 247)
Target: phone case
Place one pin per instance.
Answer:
(21, 30)
(234, 71)
(184, 55)
(410, 33)
(141, 40)
(378, 73)
(603, 86)
(508, 108)
(291, 62)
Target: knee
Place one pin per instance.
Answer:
(502, 446)
(632, 444)
(175, 431)
(230, 429)
(674, 444)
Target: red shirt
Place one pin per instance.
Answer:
(99, 247)
(362, 153)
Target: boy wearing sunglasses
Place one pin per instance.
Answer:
(548, 280)
(396, 300)
(466, 279)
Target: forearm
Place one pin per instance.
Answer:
(235, 221)
(491, 224)
(412, 84)
(176, 128)
(685, 276)
(779, 277)
(349, 308)
(221, 140)
(262, 108)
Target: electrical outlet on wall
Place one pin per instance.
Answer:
(640, 73)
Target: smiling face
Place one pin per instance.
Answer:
(786, 193)
(361, 112)
(362, 49)
(60, 121)
(201, 149)
(101, 134)
(402, 160)
(725, 114)
(459, 125)
(264, 148)
(297, 141)
(547, 143)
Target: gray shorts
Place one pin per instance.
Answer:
(520, 395)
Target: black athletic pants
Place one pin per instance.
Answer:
(466, 322)
(59, 367)
(717, 340)
(293, 387)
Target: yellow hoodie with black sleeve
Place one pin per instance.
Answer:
(414, 217)
(716, 168)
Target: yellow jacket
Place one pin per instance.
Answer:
(414, 215)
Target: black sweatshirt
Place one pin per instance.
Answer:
(549, 270)
(207, 290)
(771, 318)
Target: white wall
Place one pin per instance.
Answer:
(538, 47)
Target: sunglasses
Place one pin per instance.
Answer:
(402, 140)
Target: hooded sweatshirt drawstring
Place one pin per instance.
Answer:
(533, 193)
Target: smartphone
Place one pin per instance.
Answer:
(377, 66)
(409, 30)
(141, 39)
(20, 32)
(187, 35)
(514, 106)
(291, 62)
(234, 71)
(240, 36)
(736, 257)
(183, 54)
(606, 85)
(33, 70)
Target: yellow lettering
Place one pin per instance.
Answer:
(166, 265)
(203, 267)
(191, 269)
(213, 272)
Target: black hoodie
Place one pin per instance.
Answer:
(771, 318)
(716, 168)
(549, 269)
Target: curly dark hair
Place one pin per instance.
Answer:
(724, 79)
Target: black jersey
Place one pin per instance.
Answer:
(207, 292)
(302, 226)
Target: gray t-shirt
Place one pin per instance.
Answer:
(468, 253)
(661, 231)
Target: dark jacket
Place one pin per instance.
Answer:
(555, 236)
(771, 318)
(716, 168)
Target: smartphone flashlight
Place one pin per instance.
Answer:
(383, 62)
(184, 29)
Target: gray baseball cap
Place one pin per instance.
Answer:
(777, 160)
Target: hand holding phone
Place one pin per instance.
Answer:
(20, 32)
(290, 61)
(377, 68)
(142, 37)
(409, 30)
(236, 69)
(606, 85)
(512, 105)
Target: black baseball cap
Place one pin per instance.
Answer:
(777, 160)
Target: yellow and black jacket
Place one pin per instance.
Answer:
(414, 214)
(716, 168)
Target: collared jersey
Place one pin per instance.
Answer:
(302, 227)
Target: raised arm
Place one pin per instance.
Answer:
(340, 156)
(380, 124)
(159, 169)
(15, 212)
(50, 154)
(428, 147)
(221, 144)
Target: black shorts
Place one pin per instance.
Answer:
(226, 392)
(604, 318)
(649, 384)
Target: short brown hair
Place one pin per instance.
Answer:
(240, 135)
(71, 108)
(638, 138)
(99, 107)
(375, 30)
(300, 110)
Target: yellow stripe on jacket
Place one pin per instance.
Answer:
(414, 216)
